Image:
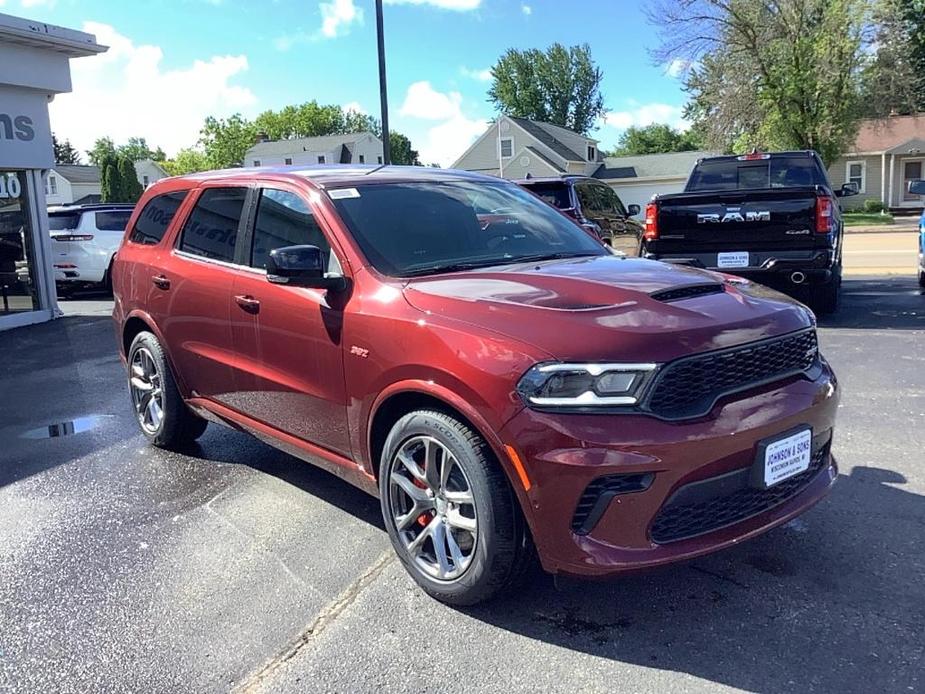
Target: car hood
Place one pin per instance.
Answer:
(602, 308)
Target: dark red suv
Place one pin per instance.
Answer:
(501, 381)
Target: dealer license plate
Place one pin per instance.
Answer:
(732, 259)
(787, 456)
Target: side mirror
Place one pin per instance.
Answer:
(632, 210)
(301, 266)
(847, 190)
(917, 187)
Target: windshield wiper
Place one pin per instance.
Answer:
(452, 267)
(551, 256)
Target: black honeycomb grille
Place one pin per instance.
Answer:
(690, 386)
(597, 496)
(687, 292)
(676, 522)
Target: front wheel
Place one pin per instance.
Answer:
(163, 417)
(449, 510)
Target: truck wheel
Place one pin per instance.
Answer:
(825, 296)
(922, 278)
(163, 417)
(450, 512)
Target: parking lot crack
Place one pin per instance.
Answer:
(323, 620)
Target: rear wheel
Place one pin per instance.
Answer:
(825, 297)
(922, 278)
(450, 513)
(163, 417)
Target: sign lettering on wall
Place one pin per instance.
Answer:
(10, 186)
(25, 134)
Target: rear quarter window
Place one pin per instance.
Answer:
(63, 221)
(555, 194)
(156, 217)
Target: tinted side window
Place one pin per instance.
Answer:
(156, 216)
(112, 221)
(590, 202)
(612, 200)
(212, 227)
(284, 219)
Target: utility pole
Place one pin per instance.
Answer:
(383, 92)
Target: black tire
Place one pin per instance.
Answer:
(107, 278)
(825, 297)
(922, 278)
(177, 426)
(502, 552)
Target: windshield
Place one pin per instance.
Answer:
(555, 194)
(63, 222)
(774, 172)
(408, 229)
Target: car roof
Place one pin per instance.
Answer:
(772, 155)
(333, 175)
(92, 207)
(553, 179)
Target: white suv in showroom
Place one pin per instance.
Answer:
(84, 240)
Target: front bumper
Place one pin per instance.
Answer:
(564, 454)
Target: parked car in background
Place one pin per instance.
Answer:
(595, 206)
(502, 382)
(772, 217)
(918, 188)
(84, 240)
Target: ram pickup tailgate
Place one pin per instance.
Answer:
(748, 220)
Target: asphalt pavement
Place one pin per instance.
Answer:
(235, 566)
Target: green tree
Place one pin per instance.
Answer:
(400, 149)
(110, 188)
(654, 139)
(769, 73)
(894, 76)
(225, 141)
(137, 149)
(559, 85)
(129, 187)
(103, 149)
(65, 153)
(188, 160)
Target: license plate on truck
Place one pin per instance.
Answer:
(732, 259)
(783, 457)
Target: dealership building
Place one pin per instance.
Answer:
(34, 67)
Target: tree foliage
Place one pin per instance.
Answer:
(103, 150)
(137, 149)
(225, 141)
(559, 85)
(893, 78)
(773, 74)
(65, 153)
(654, 139)
(189, 160)
(118, 179)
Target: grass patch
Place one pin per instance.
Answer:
(857, 219)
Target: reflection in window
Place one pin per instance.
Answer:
(284, 219)
(17, 268)
(212, 227)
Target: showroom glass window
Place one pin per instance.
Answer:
(17, 274)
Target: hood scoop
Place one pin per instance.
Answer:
(688, 292)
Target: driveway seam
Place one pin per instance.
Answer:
(325, 618)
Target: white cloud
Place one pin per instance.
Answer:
(677, 67)
(526, 9)
(125, 92)
(337, 16)
(445, 142)
(461, 5)
(355, 107)
(646, 114)
(480, 75)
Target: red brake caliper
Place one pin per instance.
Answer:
(427, 516)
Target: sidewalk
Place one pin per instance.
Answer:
(899, 224)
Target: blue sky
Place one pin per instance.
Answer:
(172, 63)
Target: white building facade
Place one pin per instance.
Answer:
(34, 66)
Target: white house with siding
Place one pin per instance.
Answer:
(352, 148)
(69, 184)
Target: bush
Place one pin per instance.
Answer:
(872, 206)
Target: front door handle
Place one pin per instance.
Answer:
(248, 303)
(161, 282)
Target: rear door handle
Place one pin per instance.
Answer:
(248, 303)
(161, 282)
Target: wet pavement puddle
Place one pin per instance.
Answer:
(68, 428)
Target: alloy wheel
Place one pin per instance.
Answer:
(433, 508)
(147, 392)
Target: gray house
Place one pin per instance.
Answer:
(514, 147)
(352, 148)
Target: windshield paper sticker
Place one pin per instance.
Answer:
(343, 193)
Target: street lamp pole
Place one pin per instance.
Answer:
(383, 92)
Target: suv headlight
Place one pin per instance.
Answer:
(584, 385)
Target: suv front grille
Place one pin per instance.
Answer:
(690, 386)
(680, 521)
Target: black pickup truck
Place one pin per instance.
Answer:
(770, 217)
